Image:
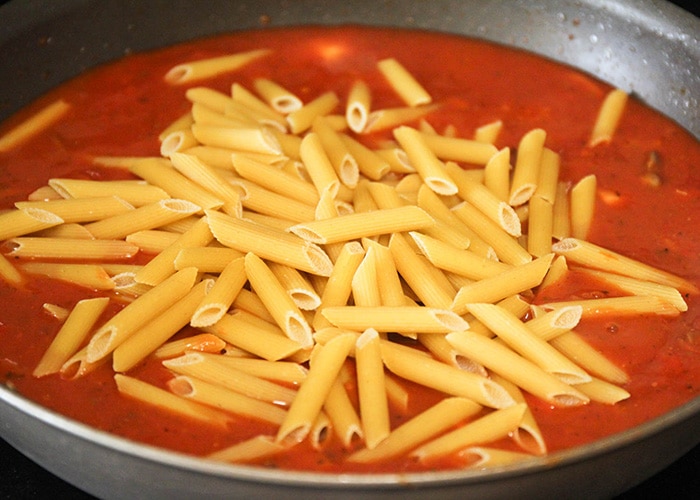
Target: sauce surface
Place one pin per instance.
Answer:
(120, 109)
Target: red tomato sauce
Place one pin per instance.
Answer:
(119, 109)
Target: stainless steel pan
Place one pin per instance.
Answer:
(648, 47)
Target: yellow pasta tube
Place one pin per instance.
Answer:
(266, 202)
(527, 167)
(147, 217)
(162, 265)
(483, 457)
(363, 224)
(603, 392)
(587, 357)
(590, 255)
(23, 221)
(298, 287)
(275, 180)
(222, 294)
(341, 413)
(86, 275)
(252, 337)
(207, 259)
(201, 342)
(302, 119)
(432, 288)
(359, 103)
(9, 273)
(254, 448)
(244, 96)
(488, 132)
(278, 302)
(427, 371)
(561, 218)
(395, 319)
(339, 285)
(429, 167)
(540, 224)
(608, 118)
(139, 312)
(497, 174)
(514, 333)
(74, 331)
(270, 244)
(215, 370)
(582, 206)
(370, 163)
(463, 262)
(374, 408)
(388, 281)
(318, 165)
(68, 248)
(516, 279)
(421, 428)
(343, 162)
(279, 98)
(225, 399)
(160, 398)
(251, 139)
(197, 171)
(201, 69)
(500, 359)
(388, 118)
(403, 82)
(137, 193)
(491, 427)
(34, 125)
(506, 247)
(80, 209)
(459, 149)
(326, 363)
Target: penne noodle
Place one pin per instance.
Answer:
(548, 180)
(280, 371)
(603, 392)
(561, 218)
(279, 98)
(514, 333)
(488, 132)
(146, 339)
(298, 287)
(486, 457)
(516, 369)
(9, 273)
(250, 139)
(179, 140)
(429, 167)
(183, 122)
(344, 163)
(516, 279)
(395, 319)
(541, 224)
(150, 216)
(388, 118)
(527, 167)
(207, 68)
(138, 313)
(426, 425)
(608, 117)
(370, 163)
(216, 370)
(364, 224)
(221, 398)
(80, 209)
(71, 249)
(202, 342)
(135, 193)
(206, 259)
(582, 206)
(460, 150)
(341, 414)
(69, 338)
(326, 363)
(266, 202)
(252, 337)
(318, 165)
(425, 370)
(491, 427)
(497, 174)
(90, 276)
(374, 408)
(164, 400)
(403, 82)
(270, 244)
(255, 448)
(301, 119)
(590, 255)
(221, 295)
(34, 125)
(23, 221)
(359, 103)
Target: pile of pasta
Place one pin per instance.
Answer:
(291, 247)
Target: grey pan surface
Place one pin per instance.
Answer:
(648, 47)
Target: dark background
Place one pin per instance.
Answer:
(21, 478)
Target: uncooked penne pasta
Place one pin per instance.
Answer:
(344, 163)
(9, 273)
(374, 409)
(251, 139)
(341, 413)
(80, 209)
(92, 276)
(73, 249)
(497, 174)
(35, 124)
(221, 295)
(395, 319)
(609, 117)
(359, 103)
(254, 448)
(582, 206)
(279, 98)
(403, 82)
(429, 167)
(206, 68)
(23, 221)
(388, 118)
(155, 396)
(137, 193)
(302, 119)
(527, 166)
(69, 338)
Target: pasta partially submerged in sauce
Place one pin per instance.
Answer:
(287, 242)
